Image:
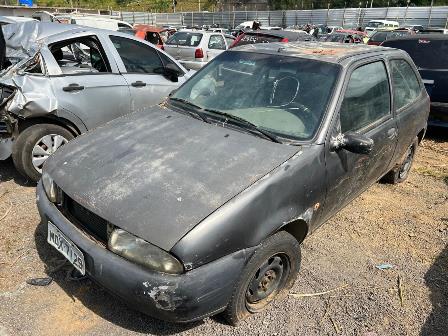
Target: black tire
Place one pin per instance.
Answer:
(401, 172)
(244, 302)
(25, 142)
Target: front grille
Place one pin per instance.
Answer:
(85, 219)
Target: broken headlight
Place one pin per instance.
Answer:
(143, 253)
(50, 187)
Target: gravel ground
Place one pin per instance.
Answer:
(404, 225)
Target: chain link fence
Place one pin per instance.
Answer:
(425, 16)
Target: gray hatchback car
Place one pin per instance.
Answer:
(199, 206)
(67, 79)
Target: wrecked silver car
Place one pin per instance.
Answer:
(64, 80)
(198, 206)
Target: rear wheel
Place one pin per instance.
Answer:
(401, 172)
(270, 273)
(34, 145)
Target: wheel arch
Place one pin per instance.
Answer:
(63, 122)
(297, 228)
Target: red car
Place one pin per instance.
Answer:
(151, 34)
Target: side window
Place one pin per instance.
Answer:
(216, 42)
(137, 57)
(367, 98)
(405, 83)
(80, 56)
(167, 61)
(153, 37)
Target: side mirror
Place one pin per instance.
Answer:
(171, 72)
(353, 142)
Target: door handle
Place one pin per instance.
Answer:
(138, 84)
(391, 133)
(73, 87)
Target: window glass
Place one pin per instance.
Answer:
(406, 85)
(185, 39)
(166, 61)
(216, 42)
(137, 57)
(284, 95)
(153, 37)
(367, 97)
(80, 56)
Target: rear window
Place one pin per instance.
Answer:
(426, 53)
(258, 38)
(185, 39)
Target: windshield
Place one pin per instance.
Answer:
(284, 95)
(185, 39)
(374, 24)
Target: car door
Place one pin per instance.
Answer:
(142, 68)
(88, 83)
(216, 45)
(365, 109)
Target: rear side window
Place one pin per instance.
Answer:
(216, 42)
(405, 83)
(365, 101)
(426, 53)
(185, 39)
(153, 37)
(137, 57)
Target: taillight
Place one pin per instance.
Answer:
(284, 40)
(198, 53)
(162, 47)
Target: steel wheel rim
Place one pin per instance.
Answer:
(407, 163)
(44, 147)
(267, 282)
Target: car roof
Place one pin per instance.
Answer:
(276, 33)
(148, 28)
(422, 37)
(331, 52)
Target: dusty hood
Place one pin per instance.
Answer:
(158, 173)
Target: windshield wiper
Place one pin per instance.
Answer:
(196, 114)
(248, 124)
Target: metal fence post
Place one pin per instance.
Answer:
(328, 12)
(430, 14)
(343, 16)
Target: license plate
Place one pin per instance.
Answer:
(66, 247)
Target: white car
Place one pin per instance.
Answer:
(195, 48)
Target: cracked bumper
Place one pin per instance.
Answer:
(191, 296)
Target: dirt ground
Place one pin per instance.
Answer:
(405, 226)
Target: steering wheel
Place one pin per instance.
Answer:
(304, 113)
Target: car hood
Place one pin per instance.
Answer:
(158, 173)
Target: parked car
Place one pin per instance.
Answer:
(379, 36)
(380, 24)
(433, 30)
(150, 34)
(345, 36)
(199, 206)
(68, 79)
(269, 36)
(195, 48)
(429, 53)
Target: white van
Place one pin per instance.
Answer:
(380, 24)
(89, 20)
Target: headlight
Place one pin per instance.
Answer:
(143, 253)
(49, 187)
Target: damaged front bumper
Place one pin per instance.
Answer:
(187, 297)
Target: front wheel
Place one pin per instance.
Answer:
(34, 145)
(270, 272)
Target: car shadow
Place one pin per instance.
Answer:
(437, 134)
(8, 172)
(97, 299)
(437, 281)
